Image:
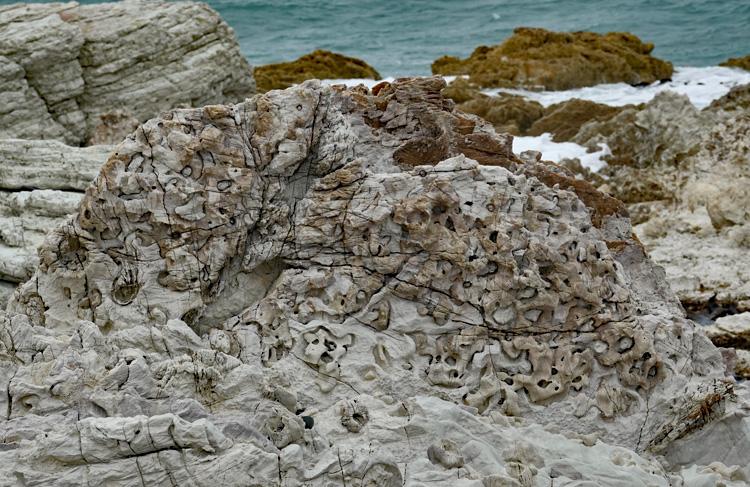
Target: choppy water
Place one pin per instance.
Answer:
(402, 37)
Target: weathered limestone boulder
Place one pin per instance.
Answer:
(341, 286)
(41, 183)
(737, 62)
(559, 60)
(684, 174)
(66, 69)
(319, 64)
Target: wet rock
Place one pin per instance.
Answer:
(737, 62)
(319, 64)
(534, 57)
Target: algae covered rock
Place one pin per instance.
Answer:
(325, 286)
(737, 62)
(318, 64)
(563, 120)
(534, 57)
(512, 114)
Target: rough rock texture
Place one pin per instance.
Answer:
(563, 120)
(319, 64)
(731, 331)
(686, 185)
(559, 61)
(737, 62)
(517, 115)
(66, 69)
(41, 183)
(510, 114)
(323, 286)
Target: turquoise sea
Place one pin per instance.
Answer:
(400, 37)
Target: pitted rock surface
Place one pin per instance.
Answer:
(339, 286)
(91, 73)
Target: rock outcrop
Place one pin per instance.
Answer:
(342, 286)
(559, 60)
(737, 62)
(41, 183)
(75, 72)
(564, 120)
(319, 64)
(518, 115)
(685, 186)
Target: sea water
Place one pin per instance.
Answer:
(403, 37)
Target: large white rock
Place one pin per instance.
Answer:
(324, 286)
(92, 72)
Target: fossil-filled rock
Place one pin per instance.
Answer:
(88, 72)
(340, 286)
(534, 57)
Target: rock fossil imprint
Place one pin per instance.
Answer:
(373, 260)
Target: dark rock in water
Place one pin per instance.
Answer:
(737, 62)
(559, 60)
(318, 64)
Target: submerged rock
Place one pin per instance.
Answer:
(444, 311)
(318, 64)
(65, 67)
(559, 60)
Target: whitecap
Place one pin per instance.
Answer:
(557, 151)
(701, 85)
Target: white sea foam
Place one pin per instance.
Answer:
(701, 85)
(557, 151)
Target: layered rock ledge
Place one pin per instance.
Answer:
(80, 73)
(323, 285)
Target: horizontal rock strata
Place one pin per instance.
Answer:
(340, 286)
(41, 183)
(66, 70)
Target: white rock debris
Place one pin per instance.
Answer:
(328, 286)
